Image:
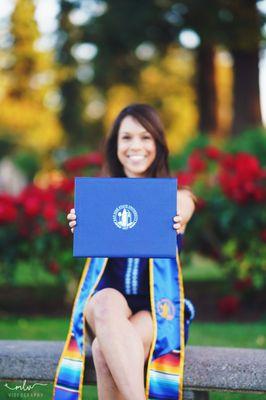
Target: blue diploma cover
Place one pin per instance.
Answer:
(125, 217)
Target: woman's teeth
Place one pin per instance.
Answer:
(136, 158)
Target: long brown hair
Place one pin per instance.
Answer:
(150, 120)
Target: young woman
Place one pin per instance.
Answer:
(118, 313)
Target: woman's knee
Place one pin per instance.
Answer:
(104, 305)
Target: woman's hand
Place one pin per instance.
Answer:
(72, 218)
(186, 204)
(177, 223)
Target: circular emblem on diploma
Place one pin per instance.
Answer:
(166, 308)
(125, 216)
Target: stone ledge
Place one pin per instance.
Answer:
(206, 368)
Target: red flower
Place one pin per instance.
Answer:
(247, 165)
(49, 194)
(212, 152)
(86, 160)
(66, 186)
(31, 200)
(50, 211)
(185, 178)
(241, 178)
(195, 162)
(95, 158)
(8, 210)
(228, 305)
(32, 205)
(29, 191)
(54, 267)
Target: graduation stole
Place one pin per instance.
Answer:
(165, 366)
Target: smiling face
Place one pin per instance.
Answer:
(136, 148)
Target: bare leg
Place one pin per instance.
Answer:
(107, 389)
(120, 342)
(142, 322)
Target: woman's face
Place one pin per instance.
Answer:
(136, 148)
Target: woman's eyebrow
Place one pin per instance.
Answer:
(129, 133)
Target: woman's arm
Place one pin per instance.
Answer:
(186, 207)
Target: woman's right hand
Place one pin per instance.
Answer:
(72, 218)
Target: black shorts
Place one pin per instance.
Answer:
(138, 302)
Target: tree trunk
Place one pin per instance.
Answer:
(247, 112)
(207, 98)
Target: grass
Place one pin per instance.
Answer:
(231, 334)
(33, 328)
(249, 335)
(202, 269)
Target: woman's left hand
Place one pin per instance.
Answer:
(177, 223)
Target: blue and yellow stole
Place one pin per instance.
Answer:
(164, 376)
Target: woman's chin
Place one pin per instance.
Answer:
(136, 173)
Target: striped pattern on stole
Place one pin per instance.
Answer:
(166, 361)
(164, 376)
(68, 381)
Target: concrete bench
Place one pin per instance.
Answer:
(206, 368)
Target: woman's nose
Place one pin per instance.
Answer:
(136, 143)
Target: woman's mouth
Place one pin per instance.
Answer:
(136, 157)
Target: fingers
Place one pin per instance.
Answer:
(177, 218)
(71, 215)
(177, 227)
(177, 223)
(72, 218)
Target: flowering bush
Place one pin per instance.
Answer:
(231, 215)
(33, 225)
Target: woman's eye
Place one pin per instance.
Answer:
(146, 137)
(126, 137)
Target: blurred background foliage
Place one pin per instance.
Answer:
(188, 59)
(64, 79)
